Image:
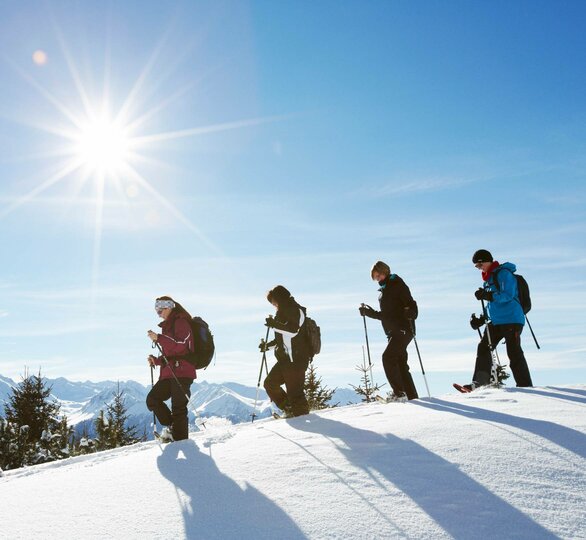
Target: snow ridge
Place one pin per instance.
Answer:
(506, 463)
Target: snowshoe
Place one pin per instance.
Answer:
(397, 398)
(392, 398)
(166, 435)
(464, 388)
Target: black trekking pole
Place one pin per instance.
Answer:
(197, 416)
(263, 362)
(367, 346)
(419, 355)
(154, 416)
(534, 338)
(493, 353)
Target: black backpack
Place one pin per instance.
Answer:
(203, 344)
(313, 334)
(522, 288)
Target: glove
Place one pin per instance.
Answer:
(270, 322)
(265, 346)
(483, 294)
(367, 311)
(476, 322)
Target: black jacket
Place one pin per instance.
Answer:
(287, 319)
(394, 297)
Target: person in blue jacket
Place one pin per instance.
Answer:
(505, 319)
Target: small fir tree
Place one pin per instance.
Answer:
(367, 389)
(84, 444)
(121, 434)
(5, 436)
(102, 432)
(318, 396)
(112, 429)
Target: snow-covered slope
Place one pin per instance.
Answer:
(491, 464)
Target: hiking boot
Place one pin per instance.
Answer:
(166, 435)
(397, 398)
(465, 388)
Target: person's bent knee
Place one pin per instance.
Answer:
(151, 401)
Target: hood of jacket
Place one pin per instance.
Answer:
(509, 266)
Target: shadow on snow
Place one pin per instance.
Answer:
(213, 505)
(457, 503)
(563, 436)
(543, 392)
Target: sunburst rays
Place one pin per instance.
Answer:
(102, 146)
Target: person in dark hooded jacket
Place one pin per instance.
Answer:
(397, 314)
(291, 351)
(176, 376)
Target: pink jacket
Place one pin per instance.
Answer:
(176, 340)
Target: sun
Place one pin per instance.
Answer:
(103, 145)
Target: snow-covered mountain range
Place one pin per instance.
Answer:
(83, 401)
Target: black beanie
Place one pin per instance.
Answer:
(482, 256)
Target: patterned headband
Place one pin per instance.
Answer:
(162, 304)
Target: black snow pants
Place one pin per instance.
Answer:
(512, 336)
(292, 375)
(395, 364)
(176, 417)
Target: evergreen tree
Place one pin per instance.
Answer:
(367, 388)
(121, 434)
(30, 416)
(84, 444)
(318, 396)
(63, 439)
(112, 429)
(5, 437)
(102, 432)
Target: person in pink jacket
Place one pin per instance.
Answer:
(176, 340)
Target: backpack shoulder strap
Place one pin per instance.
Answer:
(495, 274)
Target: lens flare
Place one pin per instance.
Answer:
(40, 57)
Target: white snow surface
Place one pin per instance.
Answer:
(507, 463)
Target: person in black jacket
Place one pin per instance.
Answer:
(397, 314)
(291, 351)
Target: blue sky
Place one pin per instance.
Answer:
(293, 143)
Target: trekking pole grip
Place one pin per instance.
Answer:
(156, 345)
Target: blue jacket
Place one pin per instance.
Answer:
(504, 307)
